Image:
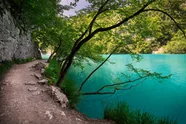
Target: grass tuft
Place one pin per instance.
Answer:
(122, 114)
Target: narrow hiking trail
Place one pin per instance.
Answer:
(24, 101)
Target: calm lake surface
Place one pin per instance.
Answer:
(167, 98)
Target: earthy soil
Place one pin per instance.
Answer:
(24, 101)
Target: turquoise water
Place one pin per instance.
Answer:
(45, 56)
(162, 99)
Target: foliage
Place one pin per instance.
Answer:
(35, 14)
(142, 34)
(122, 114)
(52, 71)
(4, 67)
(166, 121)
(176, 45)
(22, 61)
(70, 89)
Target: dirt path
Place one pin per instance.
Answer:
(22, 103)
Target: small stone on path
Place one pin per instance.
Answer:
(38, 76)
(36, 93)
(6, 83)
(30, 83)
(42, 71)
(32, 89)
(43, 81)
(77, 119)
(50, 116)
(63, 113)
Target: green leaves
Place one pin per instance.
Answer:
(52, 71)
(122, 114)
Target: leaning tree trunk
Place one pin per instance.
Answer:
(55, 51)
(65, 68)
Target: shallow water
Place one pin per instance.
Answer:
(167, 98)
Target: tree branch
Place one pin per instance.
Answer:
(114, 90)
(113, 26)
(97, 14)
(82, 84)
(158, 10)
(121, 83)
(124, 20)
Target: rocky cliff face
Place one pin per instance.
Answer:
(13, 43)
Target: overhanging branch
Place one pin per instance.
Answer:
(113, 26)
(114, 90)
(121, 83)
(124, 20)
(158, 10)
(96, 69)
(95, 17)
(90, 25)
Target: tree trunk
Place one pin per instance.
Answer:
(65, 68)
(55, 51)
(82, 40)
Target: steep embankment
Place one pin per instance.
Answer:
(24, 101)
(14, 43)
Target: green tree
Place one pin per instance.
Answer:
(177, 45)
(128, 11)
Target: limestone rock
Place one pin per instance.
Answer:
(77, 119)
(59, 96)
(38, 76)
(30, 83)
(43, 81)
(31, 89)
(15, 44)
(49, 115)
(36, 93)
(63, 113)
(39, 66)
(42, 71)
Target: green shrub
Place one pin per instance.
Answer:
(52, 71)
(166, 121)
(70, 89)
(122, 114)
(144, 118)
(22, 61)
(177, 47)
(4, 67)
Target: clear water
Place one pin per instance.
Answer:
(45, 56)
(162, 99)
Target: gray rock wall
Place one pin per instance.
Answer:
(13, 44)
